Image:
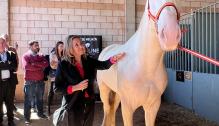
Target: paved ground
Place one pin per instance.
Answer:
(169, 115)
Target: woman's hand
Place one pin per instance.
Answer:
(81, 86)
(117, 57)
(54, 64)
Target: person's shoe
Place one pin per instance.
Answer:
(42, 116)
(27, 121)
(33, 110)
(15, 108)
(11, 123)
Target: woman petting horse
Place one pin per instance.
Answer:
(74, 79)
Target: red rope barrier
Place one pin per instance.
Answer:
(213, 61)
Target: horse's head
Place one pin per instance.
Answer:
(166, 17)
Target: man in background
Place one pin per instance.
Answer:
(8, 67)
(33, 64)
(11, 48)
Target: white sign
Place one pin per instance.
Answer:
(5, 74)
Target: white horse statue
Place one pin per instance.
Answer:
(140, 78)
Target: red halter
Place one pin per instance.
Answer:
(155, 18)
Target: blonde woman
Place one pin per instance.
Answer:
(74, 79)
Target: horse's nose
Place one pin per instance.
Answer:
(170, 36)
(172, 33)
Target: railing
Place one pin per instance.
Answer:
(202, 35)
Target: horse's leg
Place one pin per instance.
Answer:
(108, 98)
(127, 113)
(115, 104)
(151, 112)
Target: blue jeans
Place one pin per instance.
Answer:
(33, 90)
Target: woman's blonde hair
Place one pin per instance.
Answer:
(67, 50)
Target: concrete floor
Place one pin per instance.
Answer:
(19, 118)
(168, 115)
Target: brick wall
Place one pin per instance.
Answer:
(49, 21)
(184, 6)
(187, 5)
(140, 7)
(3, 16)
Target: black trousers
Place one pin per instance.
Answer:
(82, 114)
(7, 94)
(50, 96)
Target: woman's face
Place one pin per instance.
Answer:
(77, 47)
(60, 47)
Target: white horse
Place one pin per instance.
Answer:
(140, 78)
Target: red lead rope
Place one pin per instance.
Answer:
(155, 19)
(203, 57)
(213, 61)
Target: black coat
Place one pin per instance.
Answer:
(67, 74)
(11, 65)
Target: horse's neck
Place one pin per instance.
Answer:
(147, 51)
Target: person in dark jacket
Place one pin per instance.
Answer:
(8, 80)
(54, 57)
(74, 79)
(11, 48)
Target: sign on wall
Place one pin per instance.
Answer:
(180, 76)
(188, 75)
(93, 44)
